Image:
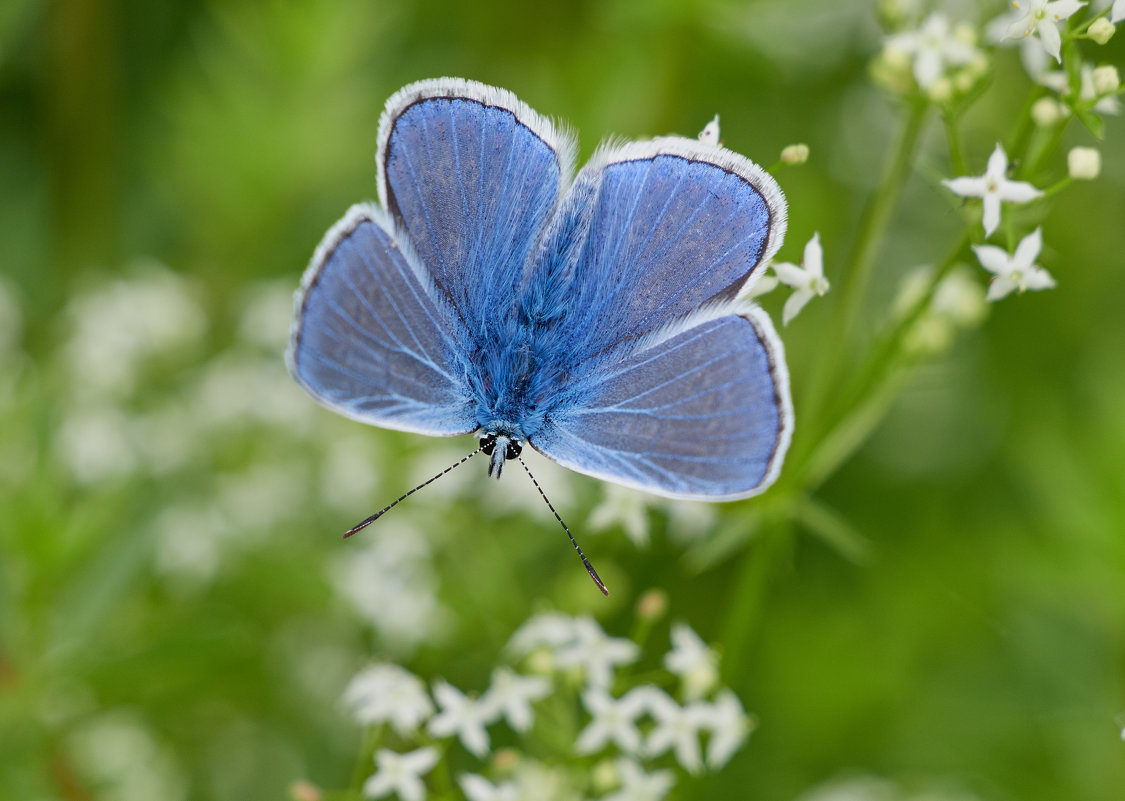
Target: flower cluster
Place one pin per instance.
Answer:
(630, 734)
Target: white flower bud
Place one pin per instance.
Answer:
(965, 33)
(1084, 163)
(1106, 80)
(795, 154)
(941, 91)
(1046, 112)
(1102, 30)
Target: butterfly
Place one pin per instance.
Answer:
(598, 318)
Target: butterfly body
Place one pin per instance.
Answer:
(596, 319)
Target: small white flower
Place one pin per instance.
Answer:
(994, 187)
(478, 788)
(677, 729)
(729, 725)
(1046, 111)
(807, 281)
(934, 48)
(510, 695)
(1017, 272)
(460, 715)
(623, 507)
(400, 774)
(1084, 163)
(548, 629)
(1118, 12)
(614, 720)
(596, 653)
(693, 661)
(636, 785)
(387, 693)
(1043, 17)
(710, 133)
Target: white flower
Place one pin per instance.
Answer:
(1017, 272)
(696, 664)
(460, 715)
(994, 187)
(478, 788)
(614, 720)
(625, 507)
(729, 726)
(596, 653)
(1083, 163)
(677, 729)
(1118, 12)
(546, 630)
(511, 694)
(710, 133)
(1103, 103)
(1043, 17)
(387, 693)
(636, 785)
(934, 48)
(400, 774)
(807, 281)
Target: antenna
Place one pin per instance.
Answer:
(400, 499)
(589, 567)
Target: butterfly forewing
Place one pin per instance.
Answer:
(370, 342)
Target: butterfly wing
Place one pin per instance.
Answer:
(705, 414)
(671, 391)
(370, 342)
(471, 176)
(670, 225)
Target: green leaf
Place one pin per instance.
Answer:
(1092, 121)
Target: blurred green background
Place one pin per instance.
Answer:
(173, 589)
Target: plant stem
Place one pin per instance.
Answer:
(750, 587)
(872, 229)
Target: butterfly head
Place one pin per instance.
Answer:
(500, 447)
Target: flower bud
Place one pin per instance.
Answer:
(1102, 30)
(1106, 80)
(652, 605)
(795, 154)
(1084, 163)
(941, 91)
(604, 776)
(302, 790)
(1046, 112)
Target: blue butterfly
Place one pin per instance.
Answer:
(598, 319)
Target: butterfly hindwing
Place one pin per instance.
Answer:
(471, 176)
(370, 342)
(704, 414)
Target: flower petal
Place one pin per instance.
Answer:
(967, 187)
(991, 216)
(1051, 39)
(1118, 12)
(1000, 287)
(794, 305)
(1038, 278)
(1018, 192)
(791, 275)
(1028, 250)
(997, 163)
(814, 257)
(993, 259)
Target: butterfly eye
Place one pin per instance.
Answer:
(488, 444)
(514, 450)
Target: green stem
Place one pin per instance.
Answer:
(956, 152)
(872, 229)
(745, 607)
